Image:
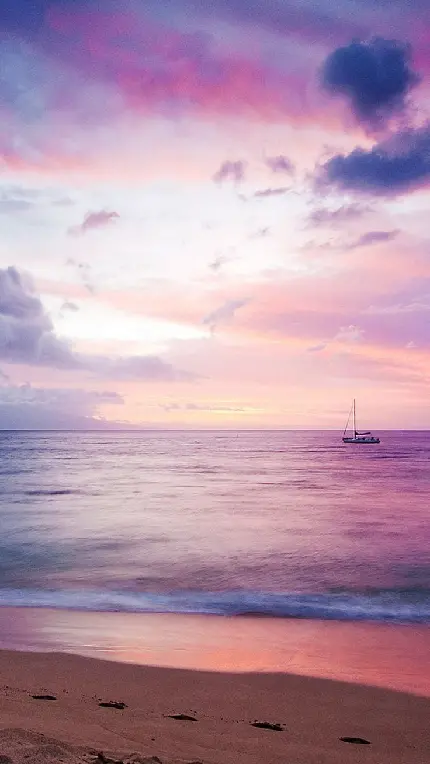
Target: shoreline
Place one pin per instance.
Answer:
(377, 655)
(313, 715)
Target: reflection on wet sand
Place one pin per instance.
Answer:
(375, 654)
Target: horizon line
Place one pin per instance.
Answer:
(199, 429)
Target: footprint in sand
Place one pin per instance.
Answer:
(182, 717)
(356, 740)
(267, 726)
(113, 704)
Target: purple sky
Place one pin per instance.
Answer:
(214, 217)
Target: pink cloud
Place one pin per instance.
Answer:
(94, 220)
(157, 67)
(230, 171)
(374, 296)
(104, 69)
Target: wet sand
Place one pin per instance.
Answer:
(303, 719)
(395, 657)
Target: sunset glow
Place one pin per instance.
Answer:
(214, 218)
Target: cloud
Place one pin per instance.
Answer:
(157, 66)
(410, 302)
(15, 198)
(325, 217)
(375, 76)
(150, 368)
(26, 331)
(8, 206)
(280, 163)
(313, 22)
(346, 334)
(93, 221)
(264, 193)
(214, 408)
(230, 171)
(217, 263)
(84, 272)
(374, 237)
(69, 306)
(392, 167)
(27, 336)
(224, 313)
(384, 301)
(143, 61)
(62, 398)
(260, 233)
(349, 333)
(34, 408)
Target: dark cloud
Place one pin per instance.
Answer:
(94, 220)
(34, 408)
(23, 15)
(392, 167)
(375, 76)
(27, 336)
(389, 168)
(264, 193)
(280, 164)
(73, 38)
(374, 237)
(321, 216)
(26, 331)
(229, 170)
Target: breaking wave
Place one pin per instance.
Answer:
(390, 606)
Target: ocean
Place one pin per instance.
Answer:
(288, 525)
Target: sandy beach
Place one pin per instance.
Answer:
(309, 716)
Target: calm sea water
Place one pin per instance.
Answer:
(287, 524)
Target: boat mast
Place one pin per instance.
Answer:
(355, 425)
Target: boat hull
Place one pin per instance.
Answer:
(362, 441)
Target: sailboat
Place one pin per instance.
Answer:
(357, 437)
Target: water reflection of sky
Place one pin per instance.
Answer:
(381, 655)
(263, 511)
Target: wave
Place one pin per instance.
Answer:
(390, 606)
(53, 492)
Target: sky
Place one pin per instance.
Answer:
(214, 215)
